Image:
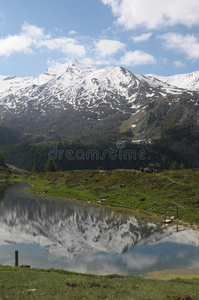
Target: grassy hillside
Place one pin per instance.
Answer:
(20, 283)
(170, 193)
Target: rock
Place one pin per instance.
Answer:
(84, 178)
(142, 199)
(166, 221)
(122, 186)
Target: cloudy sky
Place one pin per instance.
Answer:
(144, 36)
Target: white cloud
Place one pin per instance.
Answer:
(102, 52)
(178, 63)
(108, 47)
(98, 62)
(22, 42)
(142, 38)
(72, 32)
(134, 58)
(15, 43)
(33, 31)
(88, 61)
(51, 62)
(154, 14)
(32, 37)
(65, 45)
(187, 44)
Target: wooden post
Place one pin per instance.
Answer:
(16, 258)
(176, 209)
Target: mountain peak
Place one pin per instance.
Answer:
(75, 63)
(59, 69)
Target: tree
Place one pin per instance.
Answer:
(2, 159)
(100, 168)
(182, 167)
(35, 169)
(175, 166)
(51, 166)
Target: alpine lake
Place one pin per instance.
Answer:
(71, 235)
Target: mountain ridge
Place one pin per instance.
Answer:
(75, 63)
(72, 98)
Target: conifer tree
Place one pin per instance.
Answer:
(51, 166)
(35, 169)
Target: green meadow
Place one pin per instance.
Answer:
(21, 283)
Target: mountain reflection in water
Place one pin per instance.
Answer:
(75, 236)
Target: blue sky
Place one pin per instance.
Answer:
(144, 36)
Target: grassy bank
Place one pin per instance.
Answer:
(8, 174)
(156, 194)
(152, 194)
(20, 283)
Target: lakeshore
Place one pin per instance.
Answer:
(169, 194)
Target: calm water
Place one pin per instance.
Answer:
(52, 233)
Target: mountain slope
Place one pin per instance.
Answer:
(188, 81)
(71, 99)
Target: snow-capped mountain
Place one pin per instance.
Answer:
(188, 81)
(77, 85)
(10, 84)
(73, 97)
